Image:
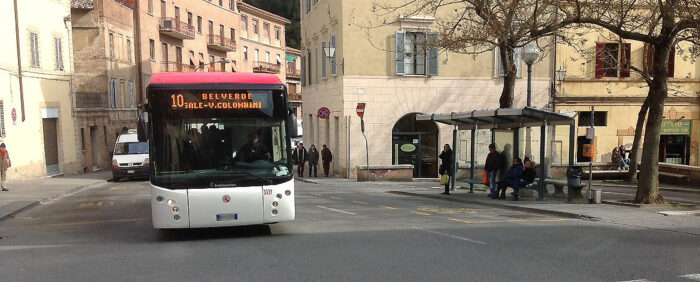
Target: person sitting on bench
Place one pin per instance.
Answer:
(512, 179)
(526, 179)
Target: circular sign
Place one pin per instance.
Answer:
(14, 114)
(408, 148)
(226, 198)
(360, 109)
(324, 113)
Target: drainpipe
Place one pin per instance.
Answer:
(137, 51)
(19, 62)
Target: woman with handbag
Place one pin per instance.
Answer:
(447, 156)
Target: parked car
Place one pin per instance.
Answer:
(130, 158)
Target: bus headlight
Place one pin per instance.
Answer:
(287, 192)
(160, 199)
(171, 202)
(275, 204)
(176, 209)
(279, 196)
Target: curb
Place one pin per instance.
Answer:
(680, 190)
(52, 198)
(508, 207)
(305, 180)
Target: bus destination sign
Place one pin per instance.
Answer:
(215, 101)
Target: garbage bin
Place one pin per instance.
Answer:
(573, 176)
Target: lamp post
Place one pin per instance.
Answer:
(530, 53)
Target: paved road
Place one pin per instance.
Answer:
(346, 232)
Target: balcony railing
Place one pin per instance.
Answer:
(176, 67)
(221, 43)
(294, 97)
(266, 67)
(293, 73)
(176, 28)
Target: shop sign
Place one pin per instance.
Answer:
(408, 148)
(676, 127)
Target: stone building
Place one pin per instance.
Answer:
(36, 103)
(104, 80)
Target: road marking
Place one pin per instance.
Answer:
(88, 222)
(462, 221)
(25, 247)
(336, 198)
(87, 204)
(317, 194)
(335, 210)
(421, 213)
(695, 277)
(388, 207)
(99, 204)
(507, 220)
(637, 280)
(452, 236)
(359, 203)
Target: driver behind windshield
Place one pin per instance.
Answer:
(254, 150)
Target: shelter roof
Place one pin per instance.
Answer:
(500, 118)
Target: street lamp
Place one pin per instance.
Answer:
(530, 53)
(329, 51)
(559, 76)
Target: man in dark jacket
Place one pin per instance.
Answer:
(313, 161)
(494, 162)
(326, 158)
(513, 177)
(301, 158)
(448, 157)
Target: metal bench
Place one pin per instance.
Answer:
(559, 187)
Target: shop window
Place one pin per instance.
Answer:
(584, 119)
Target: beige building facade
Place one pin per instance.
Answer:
(104, 79)
(596, 79)
(36, 102)
(293, 71)
(366, 68)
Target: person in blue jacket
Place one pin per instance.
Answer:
(512, 179)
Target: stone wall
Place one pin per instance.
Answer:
(385, 173)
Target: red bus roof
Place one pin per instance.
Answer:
(214, 78)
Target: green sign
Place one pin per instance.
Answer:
(408, 148)
(676, 127)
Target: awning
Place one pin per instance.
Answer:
(500, 118)
(291, 58)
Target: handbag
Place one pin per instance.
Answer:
(444, 179)
(486, 178)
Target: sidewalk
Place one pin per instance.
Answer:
(26, 194)
(642, 217)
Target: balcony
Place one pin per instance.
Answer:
(293, 73)
(266, 67)
(176, 28)
(176, 67)
(294, 97)
(221, 43)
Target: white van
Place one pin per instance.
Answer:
(130, 158)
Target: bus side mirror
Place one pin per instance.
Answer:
(142, 126)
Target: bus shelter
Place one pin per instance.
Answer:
(513, 119)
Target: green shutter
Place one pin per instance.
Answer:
(400, 35)
(433, 41)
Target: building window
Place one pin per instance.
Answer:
(266, 30)
(308, 63)
(128, 50)
(230, 5)
(277, 33)
(257, 55)
(150, 7)
(111, 45)
(650, 60)
(308, 6)
(323, 60)
(611, 60)
(267, 57)
(34, 45)
(189, 18)
(584, 119)
(516, 59)
(132, 95)
(334, 69)
(2, 119)
(221, 3)
(245, 53)
(199, 24)
(152, 49)
(58, 46)
(417, 53)
(113, 93)
(244, 23)
(255, 26)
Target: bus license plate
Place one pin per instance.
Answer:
(226, 216)
(130, 171)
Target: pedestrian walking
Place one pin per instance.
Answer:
(494, 162)
(618, 160)
(326, 158)
(5, 163)
(313, 161)
(301, 158)
(447, 156)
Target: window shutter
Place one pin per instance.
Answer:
(671, 61)
(649, 58)
(323, 60)
(599, 60)
(303, 71)
(334, 67)
(499, 63)
(400, 36)
(625, 66)
(433, 62)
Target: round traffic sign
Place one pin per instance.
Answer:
(14, 114)
(360, 109)
(324, 113)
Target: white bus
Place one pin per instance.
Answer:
(219, 150)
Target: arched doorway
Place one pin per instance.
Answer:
(415, 142)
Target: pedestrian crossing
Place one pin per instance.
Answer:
(686, 277)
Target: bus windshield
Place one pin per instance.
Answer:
(211, 148)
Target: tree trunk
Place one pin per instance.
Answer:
(510, 74)
(635, 154)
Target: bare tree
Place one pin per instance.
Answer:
(661, 25)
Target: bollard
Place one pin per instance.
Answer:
(569, 194)
(597, 195)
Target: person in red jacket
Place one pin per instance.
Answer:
(5, 163)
